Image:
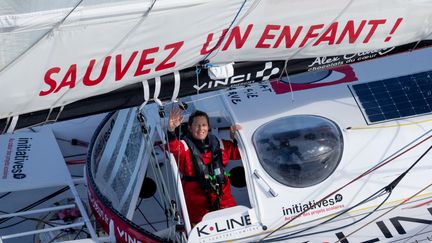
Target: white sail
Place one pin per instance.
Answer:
(53, 55)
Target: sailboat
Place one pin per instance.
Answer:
(360, 173)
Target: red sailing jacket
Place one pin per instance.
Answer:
(196, 199)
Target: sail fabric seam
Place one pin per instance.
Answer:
(225, 34)
(41, 38)
(310, 41)
(114, 47)
(47, 17)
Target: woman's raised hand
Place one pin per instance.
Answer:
(175, 119)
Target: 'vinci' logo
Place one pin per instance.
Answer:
(268, 66)
(227, 225)
(265, 74)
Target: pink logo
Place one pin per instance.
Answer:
(349, 75)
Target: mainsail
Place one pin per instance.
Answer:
(75, 58)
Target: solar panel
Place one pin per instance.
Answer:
(395, 98)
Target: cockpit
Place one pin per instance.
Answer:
(132, 170)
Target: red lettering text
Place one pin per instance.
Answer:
(311, 33)
(87, 80)
(145, 61)
(374, 24)
(48, 80)
(204, 50)
(119, 72)
(286, 34)
(236, 35)
(267, 36)
(329, 35)
(175, 48)
(352, 34)
(69, 78)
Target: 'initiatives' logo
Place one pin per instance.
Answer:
(300, 207)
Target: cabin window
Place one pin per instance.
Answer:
(299, 151)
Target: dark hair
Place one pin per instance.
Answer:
(196, 114)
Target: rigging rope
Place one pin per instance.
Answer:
(388, 126)
(393, 185)
(142, 214)
(387, 189)
(173, 209)
(131, 31)
(147, 142)
(224, 33)
(43, 36)
(204, 62)
(178, 172)
(34, 204)
(374, 196)
(388, 211)
(424, 38)
(310, 41)
(170, 205)
(12, 126)
(389, 159)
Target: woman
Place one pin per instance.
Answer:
(201, 159)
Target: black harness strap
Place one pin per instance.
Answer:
(211, 176)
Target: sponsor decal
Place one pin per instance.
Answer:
(347, 71)
(268, 66)
(7, 158)
(291, 36)
(226, 229)
(398, 226)
(57, 78)
(223, 226)
(123, 230)
(22, 150)
(266, 73)
(325, 62)
(143, 63)
(313, 208)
